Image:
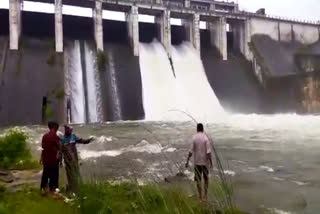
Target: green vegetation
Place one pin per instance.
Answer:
(51, 59)
(20, 56)
(132, 198)
(14, 151)
(104, 198)
(48, 113)
(30, 201)
(60, 93)
(102, 60)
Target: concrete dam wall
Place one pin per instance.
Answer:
(84, 80)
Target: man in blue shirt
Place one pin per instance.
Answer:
(69, 143)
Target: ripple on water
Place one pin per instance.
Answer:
(143, 146)
(277, 211)
(267, 168)
(86, 154)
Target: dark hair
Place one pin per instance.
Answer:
(53, 125)
(199, 127)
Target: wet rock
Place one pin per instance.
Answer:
(180, 176)
(6, 176)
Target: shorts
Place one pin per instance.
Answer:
(199, 171)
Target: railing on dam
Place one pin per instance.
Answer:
(227, 10)
(221, 8)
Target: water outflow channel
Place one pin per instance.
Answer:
(82, 83)
(186, 88)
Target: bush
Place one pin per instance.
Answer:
(60, 94)
(102, 60)
(14, 151)
(48, 113)
(51, 60)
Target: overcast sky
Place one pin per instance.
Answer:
(301, 9)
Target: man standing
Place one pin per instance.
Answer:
(70, 156)
(201, 150)
(50, 158)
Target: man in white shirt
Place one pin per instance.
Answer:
(201, 150)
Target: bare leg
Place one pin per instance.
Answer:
(199, 189)
(206, 184)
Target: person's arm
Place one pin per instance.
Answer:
(209, 153)
(188, 159)
(42, 145)
(59, 148)
(209, 158)
(84, 141)
(41, 159)
(190, 154)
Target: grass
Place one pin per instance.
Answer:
(105, 198)
(14, 151)
(30, 201)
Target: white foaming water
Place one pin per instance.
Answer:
(74, 82)
(114, 88)
(195, 91)
(158, 83)
(93, 86)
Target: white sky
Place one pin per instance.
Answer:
(299, 9)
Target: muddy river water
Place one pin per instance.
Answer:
(273, 161)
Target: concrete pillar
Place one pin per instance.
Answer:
(241, 40)
(187, 3)
(212, 6)
(218, 36)
(133, 29)
(158, 1)
(98, 26)
(237, 29)
(247, 39)
(15, 7)
(58, 26)
(164, 30)
(196, 32)
(192, 29)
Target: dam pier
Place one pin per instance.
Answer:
(215, 13)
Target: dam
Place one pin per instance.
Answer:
(91, 69)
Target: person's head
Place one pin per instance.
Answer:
(53, 126)
(67, 130)
(199, 127)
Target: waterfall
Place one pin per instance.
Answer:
(93, 86)
(158, 82)
(114, 88)
(82, 66)
(187, 90)
(74, 82)
(195, 91)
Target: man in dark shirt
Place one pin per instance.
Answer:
(50, 158)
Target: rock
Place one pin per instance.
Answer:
(180, 176)
(6, 177)
(4, 173)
